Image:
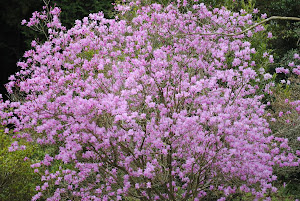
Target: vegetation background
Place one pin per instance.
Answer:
(15, 173)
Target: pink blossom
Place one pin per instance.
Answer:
(264, 16)
(267, 76)
(265, 54)
(255, 11)
(23, 22)
(280, 114)
(249, 34)
(271, 59)
(270, 35)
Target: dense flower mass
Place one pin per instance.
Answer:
(161, 106)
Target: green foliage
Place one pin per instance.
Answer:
(286, 33)
(88, 54)
(281, 195)
(17, 179)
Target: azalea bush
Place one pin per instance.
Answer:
(165, 104)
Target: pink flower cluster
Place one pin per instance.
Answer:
(46, 22)
(293, 67)
(151, 108)
(282, 70)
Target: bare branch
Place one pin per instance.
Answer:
(251, 27)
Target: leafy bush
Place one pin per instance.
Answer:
(162, 105)
(284, 119)
(17, 179)
(286, 33)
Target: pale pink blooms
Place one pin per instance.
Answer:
(267, 76)
(264, 16)
(271, 59)
(255, 11)
(282, 70)
(270, 35)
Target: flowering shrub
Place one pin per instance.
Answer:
(283, 116)
(159, 107)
